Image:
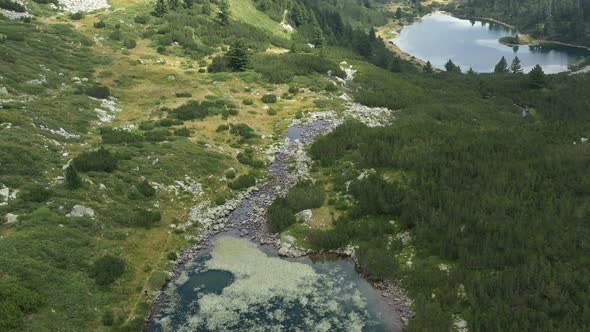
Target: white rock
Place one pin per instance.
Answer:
(81, 211)
(304, 216)
(11, 218)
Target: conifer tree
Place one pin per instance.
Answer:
(73, 179)
(160, 10)
(537, 78)
(451, 67)
(501, 67)
(239, 56)
(223, 14)
(428, 68)
(173, 4)
(516, 67)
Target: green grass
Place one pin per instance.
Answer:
(244, 10)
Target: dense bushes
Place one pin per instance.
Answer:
(213, 105)
(107, 269)
(269, 98)
(16, 302)
(101, 160)
(242, 130)
(12, 5)
(119, 136)
(243, 181)
(97, 91)
(304, 195)
(282, 68)
(146, 218)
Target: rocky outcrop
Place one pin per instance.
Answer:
(81, 211)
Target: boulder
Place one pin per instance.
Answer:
(3, 91)
(11, 218)
(304, 216)
(81, 211)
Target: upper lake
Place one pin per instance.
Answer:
(439, 37)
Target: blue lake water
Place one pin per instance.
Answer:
(439, 37)
(239, 286)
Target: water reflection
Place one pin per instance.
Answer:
(469, 43)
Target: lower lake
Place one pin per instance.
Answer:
(239, 286)
(439, 37)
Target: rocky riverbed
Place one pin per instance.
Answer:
(245, 215)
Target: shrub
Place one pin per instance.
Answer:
(130, 43)
(191, 110)
(116, 35)
(146, 218)
(161, 49)
(182, 132)
(108, 318)
(100, 160)
(293, 89)
(242, 130)
(271, 111)
(172, 256)
(219, 64)
(231, 174)
(97, 91)
(145, 189)
(305, 195)
(36, 194)
(12, 5)
(73, 179)
(100, 24)
(331, 87)
(107, 269)
(77, 16)
(157, 135)
(269, 98)
(222, 127)
(248, 101)
(141, 19)
(183, 95)
(279, 216)
(16, 302)
(119, 136)
(243, 181)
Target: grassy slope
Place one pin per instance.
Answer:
(245, 11)
(140, 89)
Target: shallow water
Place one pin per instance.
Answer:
(240, 286)
(439, 37)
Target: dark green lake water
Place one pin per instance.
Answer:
(240, 287)
(439, 37)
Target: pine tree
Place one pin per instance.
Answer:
(428, 68)
(73, 179)
(515, 67)
(372, 35)
(160, 10)
(173, 4)
(239, 56)
(396, 65)
(537, 78)
(398, 13)
(501, 67)
(471, 71)
(223, 14)
(451, 67)
(188, 4)
(317, 38)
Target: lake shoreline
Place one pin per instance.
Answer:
(534, 42)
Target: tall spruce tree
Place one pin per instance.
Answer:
(239, 56)
(73, 179)
(223, 14)
(537, 78)
(160, 9)
(501, 67)
(428, 68)
(451, 67)
(516, 67)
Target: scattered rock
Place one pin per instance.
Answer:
(11, 218)
(3, 91)
(304, 216)
(81, 211)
